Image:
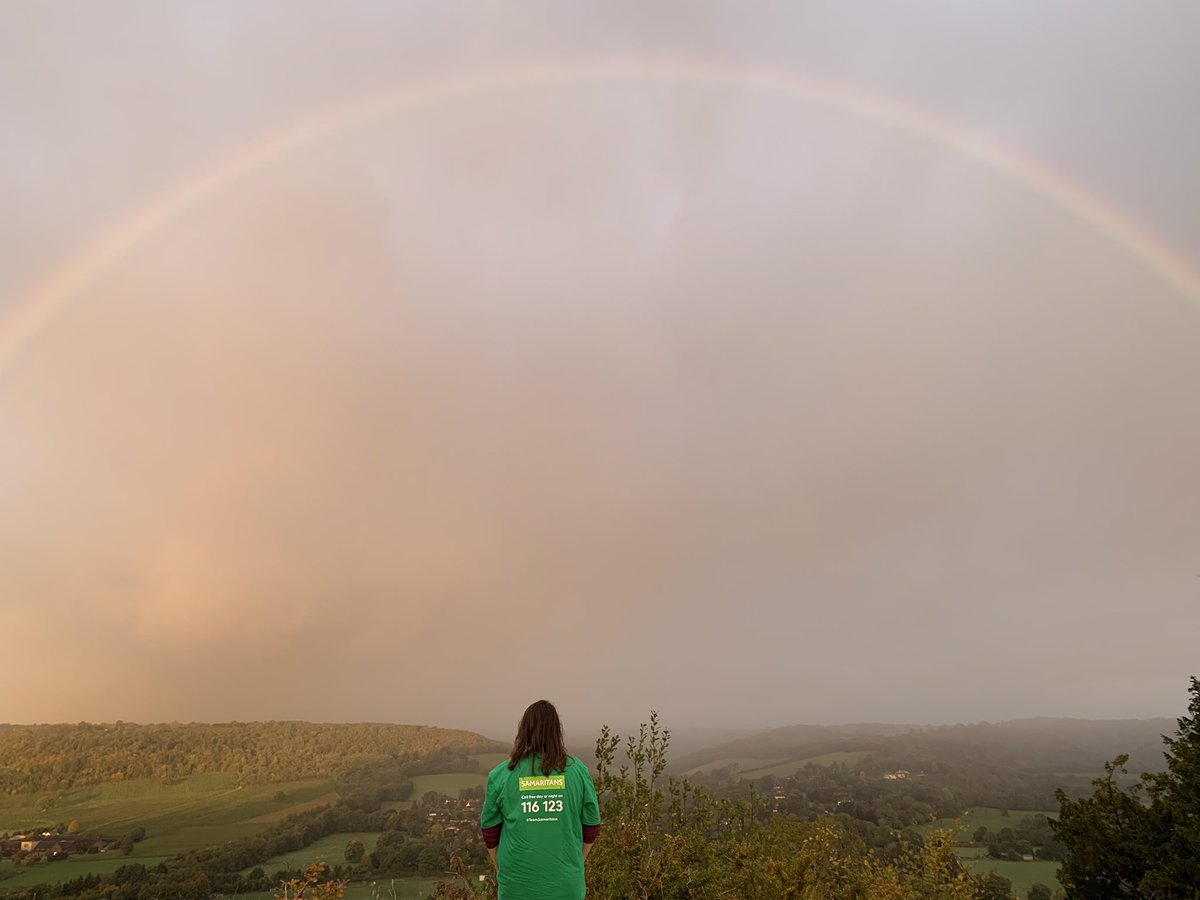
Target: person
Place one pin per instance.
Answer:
(540, 814)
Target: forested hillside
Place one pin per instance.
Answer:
(662, 838)
(57, 757)
(1142, 843)
(1028, 745)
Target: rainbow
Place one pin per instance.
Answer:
(35, 312)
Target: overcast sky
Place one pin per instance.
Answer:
(651, 390)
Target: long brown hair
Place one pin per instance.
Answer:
(540, 732)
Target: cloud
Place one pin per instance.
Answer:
(631, 396)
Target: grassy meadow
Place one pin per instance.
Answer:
(12, 875)
(990, 817)
(208, 810)
(749, 767)
(185, 815)
(741, 762)
(488, 761)
(330, 849)
(449, 784)
(790, 767)
(1023, 874)
(203, 811)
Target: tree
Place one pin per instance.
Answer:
(432, 860)
(1175, 802)
(993, 887)
(73, 827)
(665, 838)
(1104, 835)
(1120, 846)
(1052, 851)
(315, 885)
(1039, 891)
(354, 851)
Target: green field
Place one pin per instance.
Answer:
(792, 766)
(202, 811)
(780, 766)
(990, 817)
(107, 804)
(742, 763)
(12, 875)
(449, 785)
(488, 761)
(330, 849)
(1023, 875)
(191, 813)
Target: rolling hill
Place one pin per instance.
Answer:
(61, 757)
(1041, 745)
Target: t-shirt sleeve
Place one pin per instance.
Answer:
(492, 814)
(590, 813)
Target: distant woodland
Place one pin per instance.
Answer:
(888, 780)
(59, 757)
(1046, 745)
(801, 812)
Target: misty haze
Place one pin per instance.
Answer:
(800, 368)
(775, 367)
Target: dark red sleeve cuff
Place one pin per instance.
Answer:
(590, 833)
(491, 836)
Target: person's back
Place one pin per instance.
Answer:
(540, 814)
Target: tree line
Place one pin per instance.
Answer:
(1032, 837)
(1141, 842)
(60, 757)
(667, 838)
(670, 839)
(1047, 746)
(661, 840)
(408, 844)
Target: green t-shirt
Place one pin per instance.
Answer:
(540, 856)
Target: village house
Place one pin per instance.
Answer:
(48, 843)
